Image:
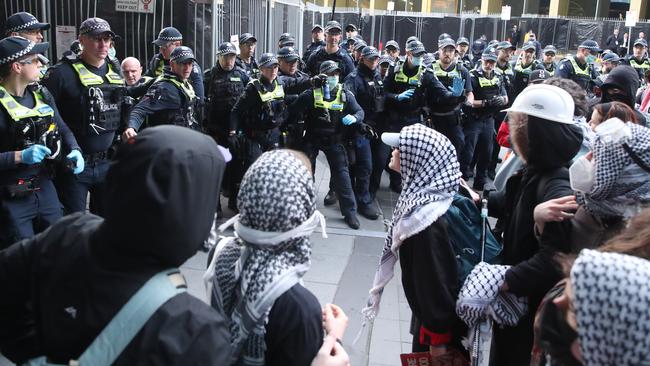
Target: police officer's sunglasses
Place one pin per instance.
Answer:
(32, 60)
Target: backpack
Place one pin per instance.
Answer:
(464, 230)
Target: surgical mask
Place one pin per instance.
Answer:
(111, 52)
(271, 238)
(332, 81)
(417, 61)
(590, 59)
(582, 175)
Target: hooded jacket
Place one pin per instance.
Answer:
(547, 148)
(623, 77)
(62, 287)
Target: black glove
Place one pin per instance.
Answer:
(319, 80)
(499, 101)
(366, 130)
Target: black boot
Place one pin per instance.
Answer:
(330, 198)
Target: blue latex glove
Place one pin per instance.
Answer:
(34, 154)
(457, 88)
(405, 95)
(349, 119)
(75, 155)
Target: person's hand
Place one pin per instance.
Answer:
(129, 133)
(457, 87)
(79, 162)
(438, 350)
(367, 131)
(408, 94)
(319, 80)
(555, 210)
(498, 101)
(349, 119)
(334, 320)
(589, 156)
(331, 353)
(34, 154)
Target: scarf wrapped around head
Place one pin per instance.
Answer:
(621, 187)
(430, 179)
(611, 295)
(276, 195)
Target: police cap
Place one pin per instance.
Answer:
(168, 34)
(24, 21)
(14, 48)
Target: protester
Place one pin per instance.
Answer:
(65, 285)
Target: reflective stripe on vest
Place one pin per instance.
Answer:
(186, 87)
(526, 70)
(440, 73)
(643, 65)
(267, 96)
(160, 68)
(18, 111)
(552, 71)
(401, 77)
(87, 78)
(335, 105)
(577, 70)
(486, 83)
(507, 71)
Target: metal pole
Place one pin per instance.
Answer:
(596, 12)
(333, 9)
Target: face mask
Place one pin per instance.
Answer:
(556, 336)
(613, 131)
(332, 81)
(417, 61)
(582, 175)
(618, 98)
(268, 238)
(111, 52)
(590, 59)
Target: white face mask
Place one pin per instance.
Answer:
(111, 52)
(332, 81)
(417, 61)
(582, 175)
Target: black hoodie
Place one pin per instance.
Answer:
(62, 287)
(626, 78)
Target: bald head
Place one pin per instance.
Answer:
(132, 70)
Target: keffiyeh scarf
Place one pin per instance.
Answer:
(621, 187)
(611, 295)
(430, 178)
(277, 195)
(480, 297)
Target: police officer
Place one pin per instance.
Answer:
(367, 86)
(289, 74)
(478, 47)
(331, 51)
(385, 63)
(246, 58)
(286, 40)
(392, 49)
(503, 66)
(168, 39)
(639, 59)
(317, 41)
(89, 94)
(463, 56)
(523, 68)
(409, 87)
(171, 99)
(609, 62)
(327, 118)
(25, 25)
(548, 60)
(358, 49)
(351, 31)
(32, 136)
(446, 117)
(490, 96)
(579, 68)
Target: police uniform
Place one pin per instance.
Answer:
(224, 89)
(480, 124)
(582, 73)
(368, 88)
(313, 46)
(341, 57)
(23, 22)
(158, 64)
(642, 65)
(170, 100)
(466, 59)
(90, 101)
(446, 117)
(251, 68)
(292, 133)
(552, 67)
(522, 72)
(29, 124)
(324, 131)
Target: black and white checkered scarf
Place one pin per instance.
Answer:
(611, 295)
(621, 187)
(430, 178)
(276, 195)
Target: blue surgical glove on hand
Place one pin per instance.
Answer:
(34, 154)
(349, 119)
(405, 95)
(75, 155)
(457, 87)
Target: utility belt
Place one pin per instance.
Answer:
(22, 188)
(323, 137)
(453, 112)
(95, 157)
